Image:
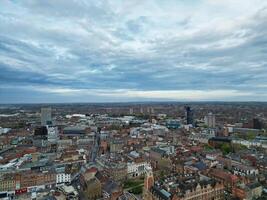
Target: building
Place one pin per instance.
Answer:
(179, 187)
(52, 133)
(229, 180)
(74, 131)
(219, 141)
(111, 190)
(8, 182)
(189, 114)
(92, 189)
(46, 116)
(199, 190)
(116, 146)
(40, 132)
(173, 124)
(135, 169)
(63, 178)
(210, 120)
(117, 172)
(4, 130)
(248, 192)
(244, 170)
(257, 124)
(148, 184)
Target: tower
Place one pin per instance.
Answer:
(148, 184)
(46, 116)
(189, 114)
(210, 120)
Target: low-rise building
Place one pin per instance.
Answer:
(135, 169)
(63, 178)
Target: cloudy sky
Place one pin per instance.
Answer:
(134, 50)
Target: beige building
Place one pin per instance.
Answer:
(7, 183)
(93, 189)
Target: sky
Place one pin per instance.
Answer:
(57, 51)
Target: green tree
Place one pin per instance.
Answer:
(250, 136)
(225, 148)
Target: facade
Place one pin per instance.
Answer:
(248, 192)
(173, 124)
(46, 116)
(136, 169)
(116, 146)
(74, 131)
(52, 133)
(148, 184)
(229, 180)
(189, 114)
(7, 183)
(210, 120)
(93, 189)
(118, 172)
(257, 124)
(243, 170)
(63, 178)
(179, 188)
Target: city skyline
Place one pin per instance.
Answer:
(117, 51)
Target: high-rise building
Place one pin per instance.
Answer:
(189, 114)
(46, 116)
(257, 123)
(210, 120)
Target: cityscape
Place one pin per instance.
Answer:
(134, 151)
(133, 100)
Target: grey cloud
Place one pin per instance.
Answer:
(87, 44)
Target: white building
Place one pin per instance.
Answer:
(4, 130)
(52, 133)
(63, 178)
(136, 169)
(243, 170)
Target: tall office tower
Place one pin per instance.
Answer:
(210, 120)
(46, 116)
(189, 114)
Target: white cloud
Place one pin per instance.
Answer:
(190, 49)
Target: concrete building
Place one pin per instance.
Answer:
(135, 169)
(248, 192)
(52, 133)
(176, 187)
(63, 178)
(210, 120)
(46, 116)
(116, 146)
(189, 114)
(92, 189)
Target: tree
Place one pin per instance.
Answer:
(225, 148)
(250, 136)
